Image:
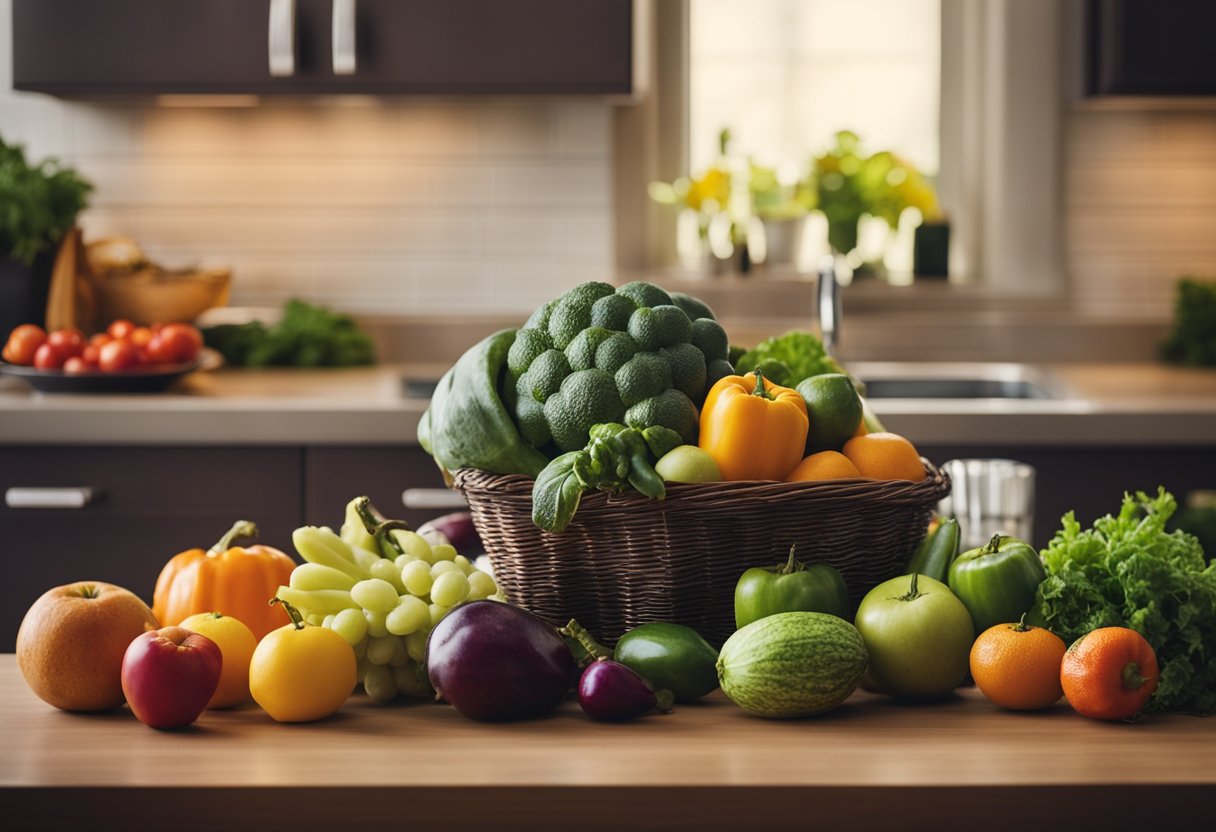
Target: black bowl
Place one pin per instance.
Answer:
(143, 380)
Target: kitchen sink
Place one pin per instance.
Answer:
(956, 380)
(913, 380)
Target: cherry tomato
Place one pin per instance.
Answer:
(49, 358)
(122, 328)
(171, 346)
(23, 342)
(140, 336)
(91, 354)
(182, 335)
(117, 356)
(76, 365)
(69, 341)
(100, 338)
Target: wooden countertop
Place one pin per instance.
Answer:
(872, 764)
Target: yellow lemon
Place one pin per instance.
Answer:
(300, 673)
(236, 643)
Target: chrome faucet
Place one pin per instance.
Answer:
(829, 305)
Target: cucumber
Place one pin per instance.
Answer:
(792, 664)
(671, 657)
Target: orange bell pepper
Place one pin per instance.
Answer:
(229, 579)
(754, 429)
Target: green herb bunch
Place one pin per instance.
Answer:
(1193, 340)
(306, 336)
(1128, 571)
(38, 203)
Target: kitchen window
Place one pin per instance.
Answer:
(970, 91)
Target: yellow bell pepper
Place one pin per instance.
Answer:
(754, 429)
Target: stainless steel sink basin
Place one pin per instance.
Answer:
(950, 380)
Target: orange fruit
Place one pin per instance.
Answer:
(1109, 673)
(825, 465)
(885, 456)
(1017, 666)
(236, 643)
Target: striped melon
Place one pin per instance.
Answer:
(792, 664)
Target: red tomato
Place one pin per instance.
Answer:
(49, 358)
(23, 342)
(76, 365)
(140, 336)
(122, 328)
(100, 338)
(117, 356)
(172, 346)
(69, 341)
(91, 354)
(181, 335)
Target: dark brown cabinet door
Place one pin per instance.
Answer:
(84, 47)
(335, 475)
(1151, 47)
(151, 503)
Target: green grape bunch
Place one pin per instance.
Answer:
(383, 588)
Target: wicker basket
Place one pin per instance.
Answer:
(625, 560)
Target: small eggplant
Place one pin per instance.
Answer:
(457, 529)
(492, 662)
(611, 692)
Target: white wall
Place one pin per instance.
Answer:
(406, 205)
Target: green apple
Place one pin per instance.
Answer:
(688, 463)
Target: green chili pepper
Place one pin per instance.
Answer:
(790, 587)
(936, 552)
(997, 582)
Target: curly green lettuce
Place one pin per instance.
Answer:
(801, 354)
(1128, 571)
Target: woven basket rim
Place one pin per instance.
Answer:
(698, 496)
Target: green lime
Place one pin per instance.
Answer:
(834, 409)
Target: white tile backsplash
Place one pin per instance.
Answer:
(378, 205)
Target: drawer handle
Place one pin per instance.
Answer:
(282, 42)
(345, 62)
(73, 497)
(427, 498)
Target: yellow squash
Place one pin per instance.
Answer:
(754, 429)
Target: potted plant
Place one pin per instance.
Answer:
(849, 184)
(38, 206)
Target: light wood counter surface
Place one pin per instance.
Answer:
(872, 764)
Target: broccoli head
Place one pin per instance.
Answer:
(600, 354)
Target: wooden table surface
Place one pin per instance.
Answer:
(872, 764)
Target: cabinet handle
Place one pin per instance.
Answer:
(77, 497)
(282, 44)
(344, 37)
(425, 498)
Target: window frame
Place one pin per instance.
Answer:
(1003, 99)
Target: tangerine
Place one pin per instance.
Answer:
(1017, 666)
(825, 465)
(885, 456)
(237, 643)
(1109, 673)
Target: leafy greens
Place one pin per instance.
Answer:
(1128, 571)
(306, 336)
(800, 352)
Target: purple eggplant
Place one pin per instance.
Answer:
(496, 662)
(611, 692)
(457, 529)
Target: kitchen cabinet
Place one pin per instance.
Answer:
(148, 503)
(272, 47)
(1150, 47)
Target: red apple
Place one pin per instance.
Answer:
(169, 675)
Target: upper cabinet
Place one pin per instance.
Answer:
(268, 47)
(1150, 47)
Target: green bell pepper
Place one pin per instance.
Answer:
(790, 587)
(936, 552)
(997, 582)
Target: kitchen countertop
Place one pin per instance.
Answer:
(871, 764)
(1132, 403)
